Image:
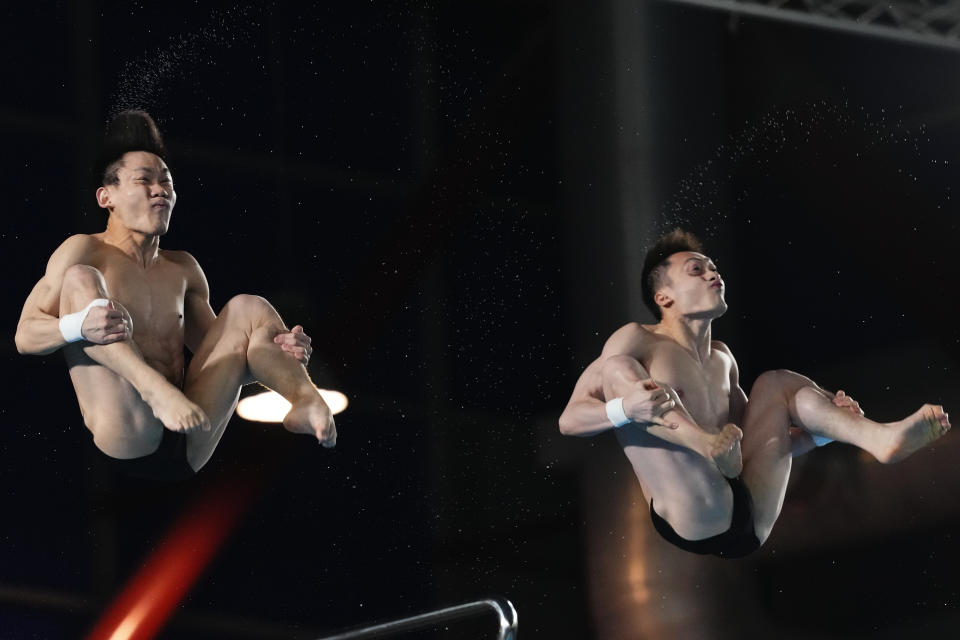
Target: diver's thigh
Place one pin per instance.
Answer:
(686, 490)
(122, 424)
(767, 458)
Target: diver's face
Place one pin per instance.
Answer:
(693, 286)
(144, 199)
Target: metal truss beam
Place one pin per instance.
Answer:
(925, 22)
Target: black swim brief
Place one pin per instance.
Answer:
(167, 463)
(737, 541)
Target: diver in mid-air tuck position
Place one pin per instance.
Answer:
(122, 310)
(672, 395)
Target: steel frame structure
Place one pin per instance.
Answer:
(924, 22)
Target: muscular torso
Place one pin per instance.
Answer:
(685, 487)
(704, 388)
(154, 297)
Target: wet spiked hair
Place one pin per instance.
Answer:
(655, 264)
(130, 130)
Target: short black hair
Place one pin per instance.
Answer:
(654, 265)
(130, 130)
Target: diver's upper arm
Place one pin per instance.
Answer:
(198, 314)
(45, 296)
(630, 339)
(590, 383)
(738, 398)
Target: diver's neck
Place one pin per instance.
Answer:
(142, 248)
(693, 334)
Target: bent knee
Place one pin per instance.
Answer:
(246, 303)
(249, 306)
(618, 365)
(81, 284)
(773, 380)
(614, 374)
(82, 277)
(253, 312)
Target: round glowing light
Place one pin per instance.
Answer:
(270, 406)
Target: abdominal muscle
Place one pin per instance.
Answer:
(165, 357)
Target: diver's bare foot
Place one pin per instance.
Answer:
(176, 411)
(312, 415)
(912, 434)
(725, 451)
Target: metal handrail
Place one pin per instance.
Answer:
(501, 606)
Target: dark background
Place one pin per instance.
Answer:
(452, 199)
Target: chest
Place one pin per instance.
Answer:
(154, 297)
(704, 388)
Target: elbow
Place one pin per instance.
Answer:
(21, 347)
(24, 347)
(565, 427)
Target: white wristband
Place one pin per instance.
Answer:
(616, 414)
(71, 323)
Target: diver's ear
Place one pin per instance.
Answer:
(662, 299)
(103, 198)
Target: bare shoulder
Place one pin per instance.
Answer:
(192, 271)
(80, 244)
(631, 339)
(76, 249)
(723, 349)
(182, 258)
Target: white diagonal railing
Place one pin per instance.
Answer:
(506, 614)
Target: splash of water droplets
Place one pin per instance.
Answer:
(700, 201)
(144, 82)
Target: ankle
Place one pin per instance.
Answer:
(153, 388)
(706, 444)
(305, 394)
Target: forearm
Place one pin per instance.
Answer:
(585, 418)
(39, 335)
(589, 417)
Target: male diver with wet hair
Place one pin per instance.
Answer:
(122, 310)
(672, 396)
